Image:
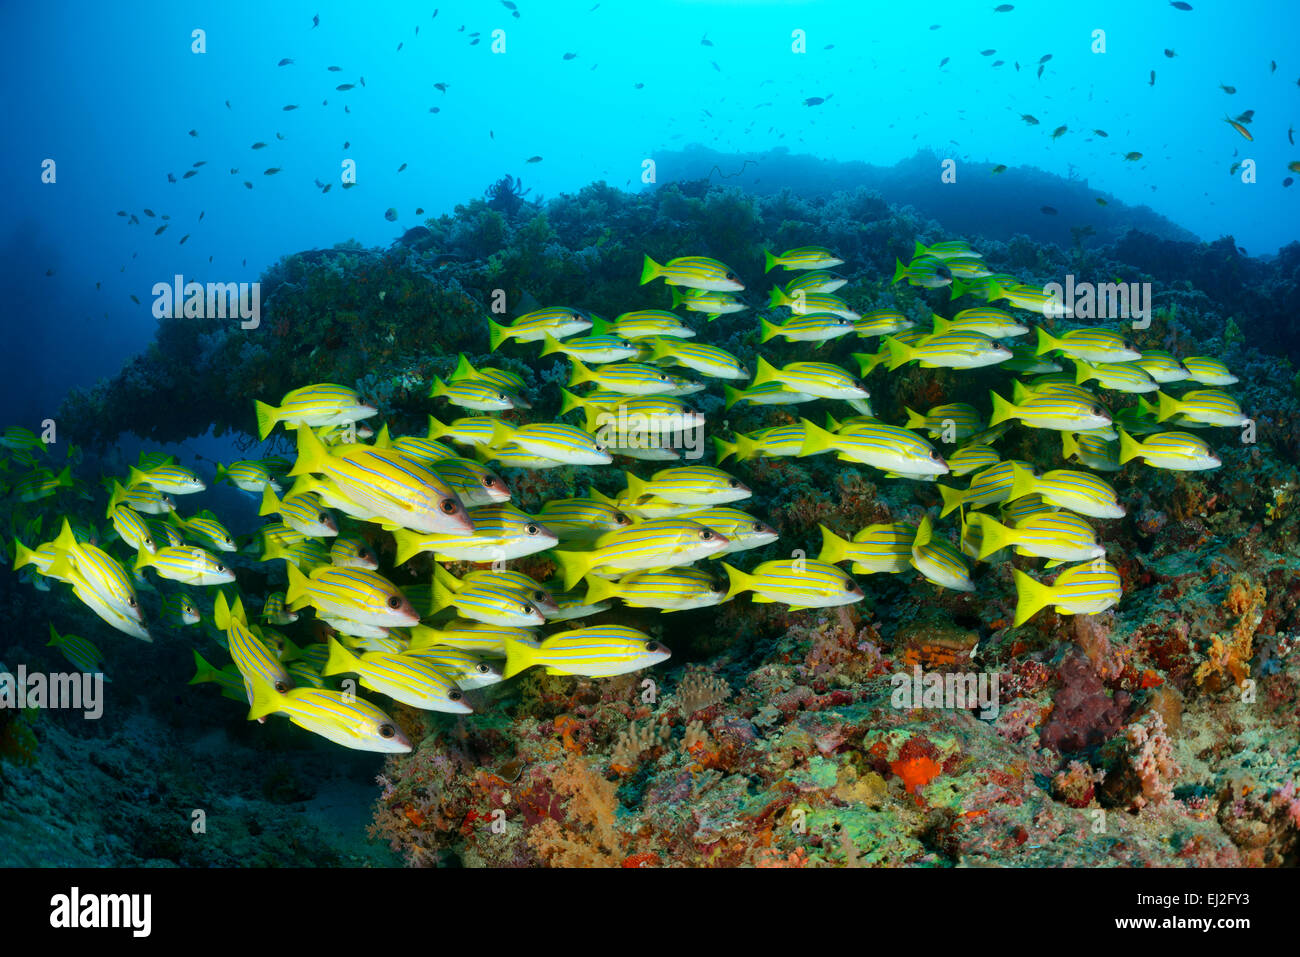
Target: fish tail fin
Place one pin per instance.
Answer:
(994, 536)
(900, 270)
(1032, 596)
(497, 334)
(924, 532)
(769, 261)
(598, 589)
(763, 372)
(1022, 482)
(723, 449)
(439, 387)
(952, 498)
(144, 560)
(1129, 447)
(899, 353)
(464, 369)
(1083, 371)
(834, 548)
(915, 420)
(340, 660)
(816, 439)
(1046, 342)
(959, 289)
(737, 581)
(135, 477)
(569, 401)
(766, 330)
(23, 556)
(1166, 407)
(55, 638)
(295, 595)
(636, 487)
(221, 612)
(520, 655)
(599, 326)
(119, 493)
(778, 298)
(267, 416)
(408, 545)
(266, 700)
(203, 672)
(1069, 445)
(650, 270)
(436, 428)
(832, 423)
(941, 325)
(730, 396)
(312, 454)
(579, 373)
(270, 504)
(678, 297)
(746, 448)
(550, 345)
(573, 565)
(1002, 409)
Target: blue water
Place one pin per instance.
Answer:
(110, 91)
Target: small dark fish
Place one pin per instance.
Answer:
(334, 69)
(164, 216)
(234, 171)
(987, 52)
(324, 102)
(715, 65)
(829, 46)
(248, 184)
(194, 132)
(201, 212)
(1044, 58)
(1102, 202)
(171, 177)
(363, 81)
(272, 171)
(1242, 250)
(399, 48)
(1003, 8)
(1170, 53)
(1017, 66)
(188, 173)
(533, 159)
(1272, 66)
(291, 106)
(1152, 81)
(49, 272)
(944, 62)
(997, 63)
(1048, 210)
(1246, 117)
(435, 109)
(315, 21)
(1290, 135)
(227, 104)
(285, 62)
(638, 86)
(279, 136)
(326, 189)
(442, 87)
(569, 56)
(1132, 157)
(1059, 132)
(200, 163)
(419, 210)
(259, 145)
(401, 168)
(1180, 5)
(121, 212)
(1288, 181)
(134, 220)
(183, 238)
(347, 144)
(935, 26)
(149, 213)
(158, 231)
(1029, 118)
(97, 285)
(1102, 133)
(1230, 90)
(348, 185)
(1040, 71)
(345, 86)
(1000, 168)
(391, 214)
(135, 300)
(814, 101)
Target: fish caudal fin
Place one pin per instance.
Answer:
(1031, 597)
(1002, 409)
(1129, 447)
(267, 416)
(650, 270)
(834, 548)
(520, 655)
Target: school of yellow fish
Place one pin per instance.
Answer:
(426, 646)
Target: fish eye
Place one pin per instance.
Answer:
(733, 483)
(482, 668)
(531, 529)
(394, 602)
(758, 526)
(706, 534)
(1129, 346)
(448, 505)
(387, 731)
(148, 542)
(281, 687)
(454, 696)
(221, 568)
(324, 517)
(731, 275)
(132, 602)
(652, 646)
(621, 519)
(627, 343)
(934, 456)
(525, 607)
(1096, 410)
(848, 584)
(487, 480)
(601, 448)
